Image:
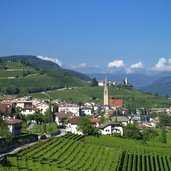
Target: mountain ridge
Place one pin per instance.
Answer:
(161, 87)
(36, 61)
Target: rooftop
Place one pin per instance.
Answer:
(13, 121)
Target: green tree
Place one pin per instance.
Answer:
(4, 129)
(129, 109)
(132, 131)
(48, 116)
(44, 127)
(39, 118)
(164, 120)
(164, 138)
(17, 111)
(29, 117)
(86, 127)
(149, 133)
(94, 82)
(102, 119)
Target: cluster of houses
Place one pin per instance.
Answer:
(71, 121)
(68, 115)
(25, 106)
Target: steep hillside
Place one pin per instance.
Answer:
(160, 87)
(22, 77)
(35, 61)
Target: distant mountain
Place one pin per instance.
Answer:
(35, 61)
(135, 79)
(161, 87)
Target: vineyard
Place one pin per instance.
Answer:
(75, 152)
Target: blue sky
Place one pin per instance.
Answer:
(90, 35)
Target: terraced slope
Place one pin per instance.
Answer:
(73, 152)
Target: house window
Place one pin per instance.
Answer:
(107, 130)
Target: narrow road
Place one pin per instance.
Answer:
(25, 146)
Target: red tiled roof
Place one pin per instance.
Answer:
(31, 108)
(74, 120)
(5, 107)
(63, 114)
(116, 102)
(13, 121)
(94, 120)
(112, 123)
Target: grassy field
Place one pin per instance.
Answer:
(95, 94)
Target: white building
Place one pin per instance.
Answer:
(14, 125)
(101, 83)
(29, 110)
(84, 111)
(62, 117)
(111, 128)
(135, 118)
(75, 109)
(123, 120)
(22, 103)
(43, 107)
(72, 126)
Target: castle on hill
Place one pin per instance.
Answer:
(113, 83)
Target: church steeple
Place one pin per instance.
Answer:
(105, 94)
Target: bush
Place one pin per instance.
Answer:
(149, 133)
(11, 90)
(132, 131)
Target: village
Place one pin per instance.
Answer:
(66, 115)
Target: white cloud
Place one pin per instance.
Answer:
(128, 70)
(134, 67)
(82, 65)
(138, 65)
(54, 60)
(119, 64)
(116, 64)
(169, 60)
(163, 64)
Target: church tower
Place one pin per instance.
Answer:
(105, 95)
